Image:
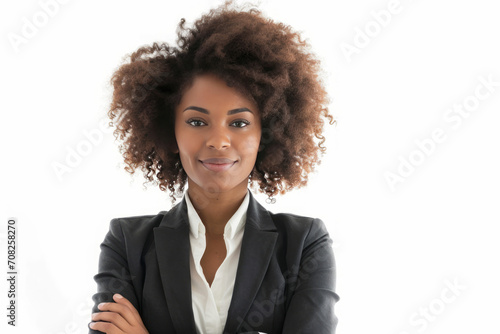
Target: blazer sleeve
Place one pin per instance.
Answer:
(113, 273)
(311, 309)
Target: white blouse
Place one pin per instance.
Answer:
(211, 303)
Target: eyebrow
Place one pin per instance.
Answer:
(230, 112)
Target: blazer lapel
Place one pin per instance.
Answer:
(173, 253)
(259, 239)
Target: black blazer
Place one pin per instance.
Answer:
(285, 281)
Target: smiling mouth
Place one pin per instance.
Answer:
(217, 164)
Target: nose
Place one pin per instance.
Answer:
(218, 138)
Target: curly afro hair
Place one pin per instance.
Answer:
(264, 60)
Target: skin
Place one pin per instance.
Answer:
(216, 121)
(120, 317)
(212, 120)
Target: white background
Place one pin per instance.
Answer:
(396, 247)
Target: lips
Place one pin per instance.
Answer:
(218, 164)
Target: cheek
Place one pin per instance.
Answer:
(184, 145)
(187, 148)
(250, 146)
(181, 142)
(182, 136)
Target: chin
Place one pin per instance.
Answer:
(220, 185)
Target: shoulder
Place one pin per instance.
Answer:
(303, 241)
(133, 231)
(306, 229)
(136, 224)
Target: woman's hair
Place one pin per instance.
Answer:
(265, 61)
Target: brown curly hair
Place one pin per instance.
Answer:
(266, 61)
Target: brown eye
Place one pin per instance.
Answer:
(195, 122)
(240, 123)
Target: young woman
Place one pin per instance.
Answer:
(238, 103)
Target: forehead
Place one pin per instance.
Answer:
(208, 90)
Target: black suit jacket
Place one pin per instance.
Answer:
(285, 281)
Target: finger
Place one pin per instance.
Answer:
(133, 311)
(115, 311)
(113, 318)
(105, 327)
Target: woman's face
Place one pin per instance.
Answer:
(218, 133)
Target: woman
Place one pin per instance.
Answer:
(237, 104)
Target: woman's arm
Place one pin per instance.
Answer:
(120, 317)
(311, 309)
(114, 277)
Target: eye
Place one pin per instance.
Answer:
(195, 122)
(240, 123)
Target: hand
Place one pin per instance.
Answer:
(121, 317)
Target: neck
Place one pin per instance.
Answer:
(216, 208)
